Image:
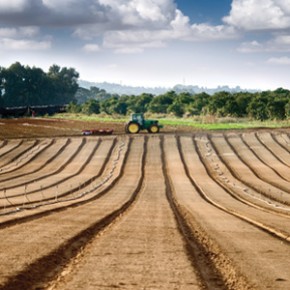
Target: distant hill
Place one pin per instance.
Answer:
(123, 89)
(196, 89)
(130, 90)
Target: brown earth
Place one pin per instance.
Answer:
(179, 210)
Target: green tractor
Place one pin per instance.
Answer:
(138, 122)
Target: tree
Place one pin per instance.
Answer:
(217, 103)
(82, 95)
(142, 102)
(257, 108)
(199, 104)
(287, 109)
(160, 103)
(176, 108)
(91, 106)
(73, 107)
(107, 105)
(242, 99)
(25, 86)
(13, 85)
(64, 83)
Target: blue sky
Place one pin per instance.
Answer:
(242, 43)
(205, 10)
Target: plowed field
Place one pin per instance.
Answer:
(180, 210)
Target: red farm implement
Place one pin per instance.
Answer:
(97, 132)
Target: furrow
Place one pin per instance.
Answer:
(26, 159)
(212, 192)
(270, 142)
(55, 247)
(110, 173)
(249, 152)
(55, 169)
(221, 174)
(215, 269)
(243, 173)
(45, 158)
(8, 149)
(223, 237)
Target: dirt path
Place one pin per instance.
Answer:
(142, 251)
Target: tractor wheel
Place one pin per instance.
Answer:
(154, 129)
(133, 128)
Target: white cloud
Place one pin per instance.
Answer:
(279, 43)
(208, 32)
(23, 38)
(259, 14)
(21, 44)
(19, 32)
(8, 32)
(12, 5)
(140, 12)
(171, 25)
(50, 12)
(90, 47)
(134, 41)
(125, 25)
(252, 46)
(284, 60)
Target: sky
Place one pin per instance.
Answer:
(153, 43)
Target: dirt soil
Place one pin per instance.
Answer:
(179, 210)
(42, 127)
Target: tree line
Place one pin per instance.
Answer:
(22, 86)
(31, 86)
(259, 105)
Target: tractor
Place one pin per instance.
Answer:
(138, 122)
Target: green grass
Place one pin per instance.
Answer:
(198, 122)
(222, 125)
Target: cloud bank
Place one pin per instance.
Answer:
(131, 26)
(124, 25)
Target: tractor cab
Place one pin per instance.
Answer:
(139, 118)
